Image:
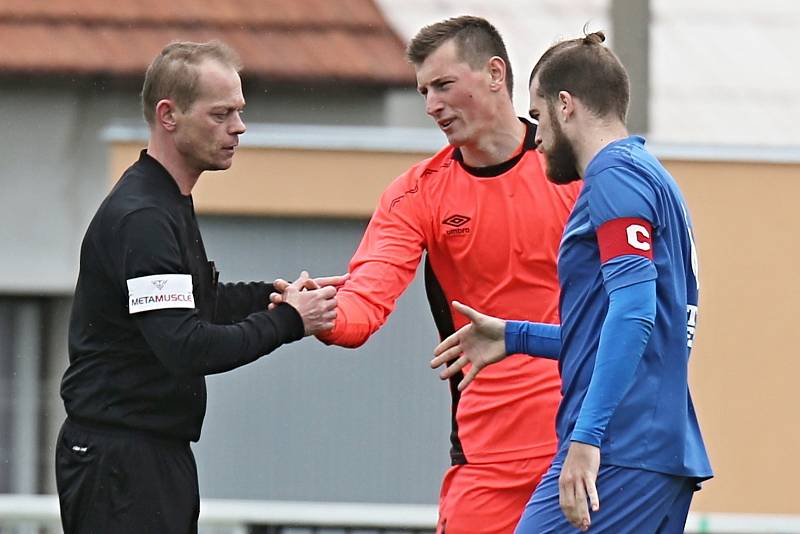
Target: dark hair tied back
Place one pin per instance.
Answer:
(589, 71)
(594, 38)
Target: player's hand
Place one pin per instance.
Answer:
(577, 490)
(316, 305)
(480, 343)
(336, 281)
(280, 285)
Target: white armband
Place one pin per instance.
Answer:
(159, 292)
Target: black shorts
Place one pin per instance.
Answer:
(113, 480)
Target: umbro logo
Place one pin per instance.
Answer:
(456, 221)
(159, 284)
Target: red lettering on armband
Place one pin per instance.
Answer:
(620, 237)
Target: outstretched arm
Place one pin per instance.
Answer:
(183, 338)
(487, 340)
(382, 267)
(480, 343)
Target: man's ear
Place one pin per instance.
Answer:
(566, 105)
(497, 73)
(165, 114)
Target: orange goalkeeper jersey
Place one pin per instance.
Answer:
(491, 236)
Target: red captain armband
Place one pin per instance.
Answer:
(620, 237)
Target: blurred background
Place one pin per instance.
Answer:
(333, 116)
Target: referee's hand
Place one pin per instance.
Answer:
(280, 285)
(316, 305)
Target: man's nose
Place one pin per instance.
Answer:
(238, 127)
(433, 105)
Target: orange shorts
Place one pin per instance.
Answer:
(488, 498)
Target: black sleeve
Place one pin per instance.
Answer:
(237, 301)
(187, 345)
(180, 339)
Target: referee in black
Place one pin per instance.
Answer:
(150, 318)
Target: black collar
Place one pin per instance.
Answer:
(161, 176)
(529, 143)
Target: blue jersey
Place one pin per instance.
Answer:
(630, 207)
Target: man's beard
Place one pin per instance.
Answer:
(562, 166)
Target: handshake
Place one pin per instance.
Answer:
(313, 298)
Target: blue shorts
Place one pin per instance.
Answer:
(631, 501)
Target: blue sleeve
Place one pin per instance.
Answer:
(623, 338)
(535, 339)
(620, 192)
(617, 193)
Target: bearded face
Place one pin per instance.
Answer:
(562, 166)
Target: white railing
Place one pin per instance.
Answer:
(238, 514)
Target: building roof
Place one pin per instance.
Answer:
(281, 40)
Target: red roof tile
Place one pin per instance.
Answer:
(283, 40)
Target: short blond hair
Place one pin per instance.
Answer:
(173, 73)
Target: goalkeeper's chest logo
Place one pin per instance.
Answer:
(456, 225)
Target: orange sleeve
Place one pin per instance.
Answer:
(383, 266)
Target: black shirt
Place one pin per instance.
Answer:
(147, 370)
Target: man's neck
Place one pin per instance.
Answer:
(593, 138)
(498, 144)
(166, 154)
